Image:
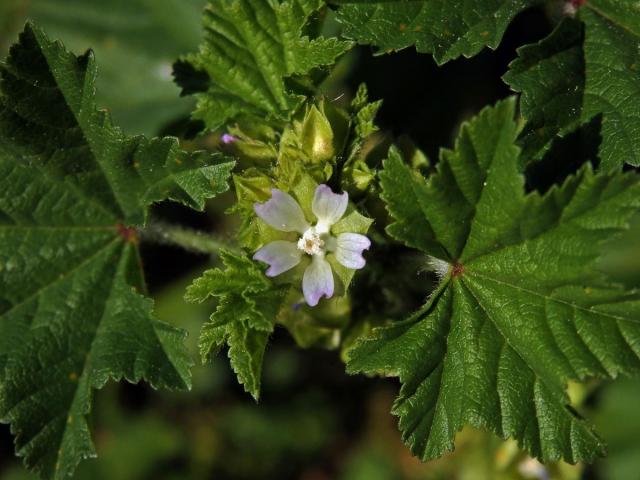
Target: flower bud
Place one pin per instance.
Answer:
(317, 136)
(252, 147)
(252, 187)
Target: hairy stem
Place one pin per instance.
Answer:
(191, 240)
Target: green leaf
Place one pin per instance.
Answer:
(550, 75)
(363, 118)
(72, 190)
(364, 114)
(250, 50)
(520, 310)
(612, 59)
(574, 75)
(445, 28)
(245, 316)
(136, 42)
(356, 175)
(49, 113)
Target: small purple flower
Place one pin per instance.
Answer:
(283, 213)
(227, 138)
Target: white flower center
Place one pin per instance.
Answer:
(311, 243)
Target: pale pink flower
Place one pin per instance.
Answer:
(283, 213)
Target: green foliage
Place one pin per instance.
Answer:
(245, 316)
(72, 190)
(581, 71)
(49, 113)
(520, 309)
(445, 28)
(364, 114)
(550, 75)
(612, 62)
(358, 175)
(136, 42)
(250, 50)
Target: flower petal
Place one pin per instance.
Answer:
(280, 255)
(282, 212)
(227, 138)
(317, 281)
(329, 207)
(349, 250)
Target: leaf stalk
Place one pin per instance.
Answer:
(191, 240)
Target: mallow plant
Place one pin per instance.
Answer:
(514, 305)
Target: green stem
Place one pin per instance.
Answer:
(191, 240)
